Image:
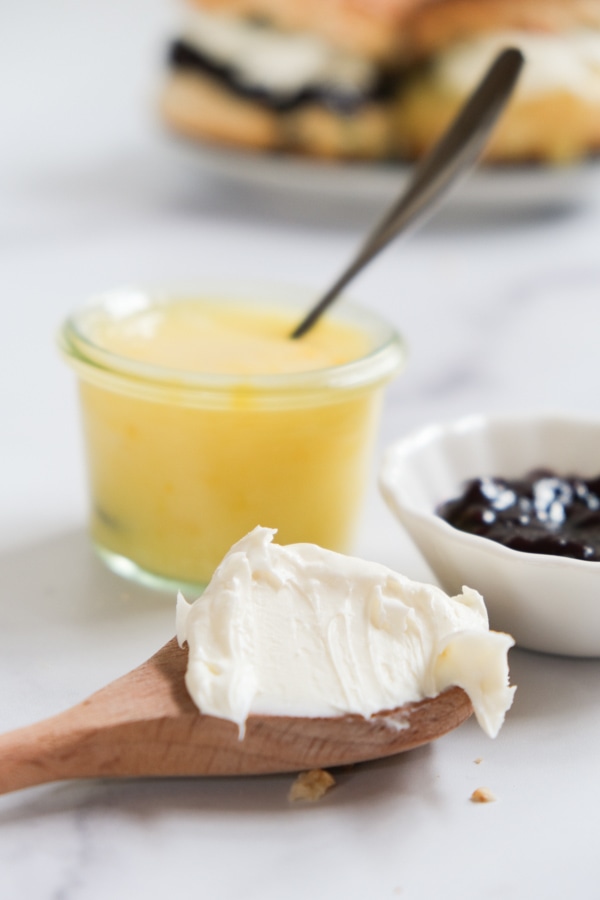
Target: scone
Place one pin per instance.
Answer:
(554, 115)
(380, 79)
(307, 76)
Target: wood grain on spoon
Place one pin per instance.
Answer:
(145, 724)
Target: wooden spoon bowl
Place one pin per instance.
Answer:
(145, 724)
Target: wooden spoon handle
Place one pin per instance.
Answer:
(105, 735)
(52, 750)
(191, 744)
(145, 724)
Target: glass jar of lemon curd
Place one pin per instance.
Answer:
(203, 418)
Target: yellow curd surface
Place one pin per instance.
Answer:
(229, 339)
(175, 484)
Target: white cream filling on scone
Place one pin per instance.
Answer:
(553, 62)
(282, 63)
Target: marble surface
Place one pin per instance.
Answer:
(501, 311)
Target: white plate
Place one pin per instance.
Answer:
(507, 188)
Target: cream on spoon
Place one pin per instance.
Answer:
(300, 658)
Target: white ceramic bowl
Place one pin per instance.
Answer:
(547, 603)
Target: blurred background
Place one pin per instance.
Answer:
(497, 295)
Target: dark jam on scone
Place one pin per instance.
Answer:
(183, 55)
(540, 513)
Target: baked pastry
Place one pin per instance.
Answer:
(306, 76)
(373, 79)
(554, 115)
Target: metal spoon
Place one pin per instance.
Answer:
(145, 724)
(454, 155)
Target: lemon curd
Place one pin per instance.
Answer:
(231, 339)
(203, 419)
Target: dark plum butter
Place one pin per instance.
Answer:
(540, 513)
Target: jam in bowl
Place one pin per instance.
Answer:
(542, 512)
(547, 601)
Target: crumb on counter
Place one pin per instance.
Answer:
(311, 785)
(478, 761)
(482, 795)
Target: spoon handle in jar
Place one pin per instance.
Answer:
(453, 156)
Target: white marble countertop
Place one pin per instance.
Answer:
(501, 312)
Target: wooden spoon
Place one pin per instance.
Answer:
(145, 724)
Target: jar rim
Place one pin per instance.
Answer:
(95, 363)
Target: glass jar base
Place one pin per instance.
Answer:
(130, 570)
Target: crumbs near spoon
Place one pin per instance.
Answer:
(482, 795)
(311, 785)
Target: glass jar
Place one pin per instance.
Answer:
(183, 463)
